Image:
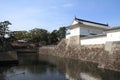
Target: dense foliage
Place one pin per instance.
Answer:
(4, 41)
(4, 28)
(41, 36)
(36, 35)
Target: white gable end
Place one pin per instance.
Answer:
(74, 22)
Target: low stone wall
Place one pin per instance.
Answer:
(8, 56)
(94, 53)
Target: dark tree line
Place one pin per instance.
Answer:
(41, 35)
(36, 35)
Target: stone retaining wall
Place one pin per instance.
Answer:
(8, 56)
(94, 53)
(73, 40)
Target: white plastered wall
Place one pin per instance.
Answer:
(113, 36)
(93, 41)
(75, 31)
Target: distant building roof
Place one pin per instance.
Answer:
(22, 41)
(79, 20)
(113, 29)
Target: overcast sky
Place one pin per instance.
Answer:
(52, 14)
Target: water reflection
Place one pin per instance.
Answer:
(34, 67)
(86, 76)
(1, 76)
(79, 70)
(30, 68)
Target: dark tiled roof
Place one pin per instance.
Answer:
(91, 22)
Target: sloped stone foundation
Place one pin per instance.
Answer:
(94, 53)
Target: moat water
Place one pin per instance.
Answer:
(34, 67)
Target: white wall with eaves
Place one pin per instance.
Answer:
(90, 30)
